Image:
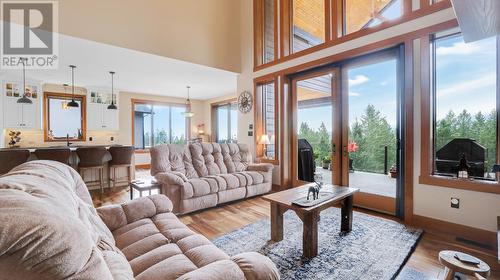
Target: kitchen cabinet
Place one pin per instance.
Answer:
(99, 117)
(20, 116)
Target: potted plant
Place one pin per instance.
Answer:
(394, 171)
(352, 148)
(327, 160)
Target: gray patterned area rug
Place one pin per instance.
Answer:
(376, 248)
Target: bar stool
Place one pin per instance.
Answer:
(121, 157)
(56, 154)
(92, 158)
(12, 158)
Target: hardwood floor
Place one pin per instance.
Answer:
(232, 216)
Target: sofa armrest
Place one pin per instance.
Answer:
(171, 178)
(118, 215)
(256, 266)
(262, 167)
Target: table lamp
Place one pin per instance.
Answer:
(264, 140)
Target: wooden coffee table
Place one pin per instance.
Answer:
(282, 202)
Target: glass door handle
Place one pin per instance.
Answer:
(334, 148)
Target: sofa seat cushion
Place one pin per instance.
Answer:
(233, 181)
(198, 187)
(162, 247)
(253, 177)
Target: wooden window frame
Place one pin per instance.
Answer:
(334, 28)
(427, 123)
(259, 118)
(155, 102)
(46, 113)
(213, 116)
(259, 31)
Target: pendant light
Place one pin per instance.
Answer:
(24, 99)
(188, 113)
(73, 103)
(112, 106)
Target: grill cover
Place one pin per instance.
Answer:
(306, 161)
(448, 157)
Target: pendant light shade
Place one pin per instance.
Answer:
(24, 99)
(112, 106)
(73, 103)
(188, 113)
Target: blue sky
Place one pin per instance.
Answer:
(466, 75)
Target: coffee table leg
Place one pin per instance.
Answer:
(276, 223)
(131, 193)
(346, 224)
(310, 235)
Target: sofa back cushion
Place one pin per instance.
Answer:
(207, 159)
(236, 157)
(172, 157)
(50, 230)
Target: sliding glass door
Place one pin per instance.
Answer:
(371, 129)
(347, 128)
(316, 127)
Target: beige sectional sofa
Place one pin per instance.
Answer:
(50, 230)
(203, 175)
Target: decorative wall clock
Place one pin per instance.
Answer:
(245, 102)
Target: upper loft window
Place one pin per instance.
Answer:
(463, 102)
(269, 27)
(361, 14)
(308, 24)
(156, 124)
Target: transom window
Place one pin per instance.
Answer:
(361, 14)
(157, 123)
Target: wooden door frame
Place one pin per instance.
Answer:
(368, 200)
(336, 122)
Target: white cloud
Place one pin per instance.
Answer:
(358, 80)
(460, 48)
(354, 94)
(384, 83)
(469, 86)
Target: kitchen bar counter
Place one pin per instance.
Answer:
(73, 162)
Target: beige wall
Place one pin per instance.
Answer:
(200, 31)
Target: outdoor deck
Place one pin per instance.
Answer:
(373, 183)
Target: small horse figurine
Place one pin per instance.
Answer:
(314, 190)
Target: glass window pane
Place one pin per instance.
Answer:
(63, 120)
(234, 122)
(222, 124)
(360, 14)
(465, 105)
(178, 125)
(373, 93)
(268, 31)
(161, 124)
(308, 24)
(314, 125)
(268, 117)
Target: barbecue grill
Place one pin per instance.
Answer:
(448, 157)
